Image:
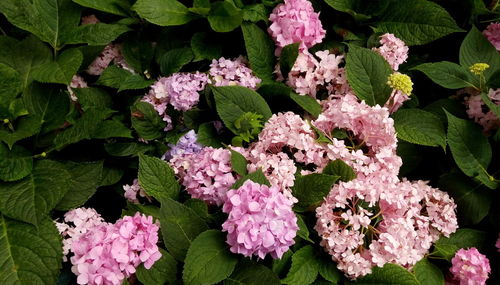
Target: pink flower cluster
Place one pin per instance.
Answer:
(260, 221)
(393, 50)
(492, 33)
(497, 244)
(477, 110)
(295, 22)
(207, 174)
(131, 192)
(107, 253)
(364, 223)
(111, 53)
(470, 267)
(226, 72)
(76, 82)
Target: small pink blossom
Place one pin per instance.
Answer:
(393, 50)
(260, 221)
(492, 33)
(497, 244)
(477, 110)
(470, 267)
(226, 72)
(131, 192)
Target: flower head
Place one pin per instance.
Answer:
(131, 192)
(492, 33)
(187, 144)
(393, 50)
(469, 266)
(182, 89)
(260, 221)
(226, 72)
(401, 82)
(478, 68)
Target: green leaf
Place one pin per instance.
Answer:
(208, 259)
(50, 104)
(473, 203)
(163, 12)
(416, 22)
(111, 129)
(49, 20)
(367, 73)
(24, 127)
(138, 52)
(180, 225)
(307, 103)
(446, 247)
(419, 127)
(311, 189)
(260, 51)
(348, 6)
(328, 270)
(224, 16)
(288, 56)
(256, 176)
(31, 198)
(303, 231)
(390, 274)
(85, 178)
(305, 267)
(110, 176)
(27, 255)
(234, 101)
(116, 7)
(163, 271)
(238, 163)
(92, 97)
(14, 164)
(247, 273)
(127, 149)
(173, 60)
(122, 79)
(470, 149)
(146, 121)
(477, 49)
(204, 46)
(493, 107)
(428, 273)
(255, 13)
(281, 266)
(61, 70)
(207, 135)
(157, 178)
(339, 168)
(96, 34)
(447, 74)
(199, 206)
(10, 86)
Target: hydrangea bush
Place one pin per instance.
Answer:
(249, 142)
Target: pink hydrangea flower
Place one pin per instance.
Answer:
(207, 174)
(108, 253)
(226, 72)
(260, 221)
(76, 82)
(90, 19)
(295, 22)
(182, 89)
(497, 244)
(111, 53)
(492, 33)
(393, 50)
(131, 192)
(470, 267)
(477, 110)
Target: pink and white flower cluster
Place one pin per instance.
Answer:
(134, 191)
(226, 72)
(105, 253)
(480, 113)
(260, 221)
(470, 267)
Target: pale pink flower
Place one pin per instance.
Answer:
(227, 72)
(393, 50)
(477, 110)
(76, 82)
(470, 267)
(492, 33)
(497, 244)
(132, 192)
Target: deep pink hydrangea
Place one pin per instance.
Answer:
(207, 174)
(132, 192)
(108, 253)
(76, 82)
(295, 22)
(470, 267)
(497, 244)
(393, 50)
(260, 221)
(365, 223)
(477, 110)
(492, 33)
(226, 72)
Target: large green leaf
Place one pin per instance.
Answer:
(117, 7)
(477, 49)
(256, 176)
(260, 50)
(390, 274)
(341, 169)
(446, 247)
(173, 60)
(321, 183)
(416, 22)
(10, 86)
(163, 12)
(95, 34)
(163, 271)
(60, 70)
(419, 127)
(447, 74)
(14, 164)
(180, 225)
(367, 73)
(31, 198)
(250, 273)
(234, 101)
(470, 149)
(307, 103)
(428, 273)
(146, 121)
(305, 267)
(157, 178)
(27, 255)
(24, 127)
(353, 8)
(208, 259)
(204, 46)
(224, 16)
(122, 79)
(85, 178)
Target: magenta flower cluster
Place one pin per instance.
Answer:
(260, 221)
(470, 267)
(492, 33)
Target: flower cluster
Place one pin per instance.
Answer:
(107, 253)
(110, 53)
(295, 22)
(479, 112)
(226, 72)
(131, 192)
(492, 33)
(469, 266)
(393, 50)
(76, 82)
(260, 221)
(187, 144)
(497, 244)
